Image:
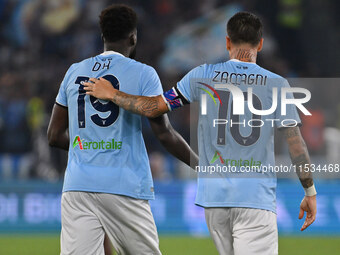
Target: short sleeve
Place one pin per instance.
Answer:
(150, 84)
(186, 87)
(291, 118)
(61, 98)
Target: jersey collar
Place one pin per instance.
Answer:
(237, 60)
(110, 52)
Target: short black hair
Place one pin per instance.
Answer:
(117, 21)
(245, 27)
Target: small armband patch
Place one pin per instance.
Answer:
(174, 99)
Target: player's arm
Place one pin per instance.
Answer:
(299, 155)
(57, 131)
(150, 107)
(173, 141)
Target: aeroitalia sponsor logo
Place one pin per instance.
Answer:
(96, 145)
(235, 162)
(217, 156)
(78, 141)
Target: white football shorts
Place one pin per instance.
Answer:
(86, 217)
(243, 231)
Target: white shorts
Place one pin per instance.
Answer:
(243, 231)
(86, 217)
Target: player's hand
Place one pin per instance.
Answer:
(99, 88)
(308, 204)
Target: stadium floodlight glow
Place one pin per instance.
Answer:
(238, 101)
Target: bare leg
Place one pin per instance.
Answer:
(107, 246)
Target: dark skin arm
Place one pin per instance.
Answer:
(57, 131)
(172, 141)
(150, 107)
(299, 155)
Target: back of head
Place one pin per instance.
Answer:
(245, 27)
(117, 22)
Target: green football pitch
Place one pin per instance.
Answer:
(184, 245)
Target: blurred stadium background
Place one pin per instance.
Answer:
(40, 39)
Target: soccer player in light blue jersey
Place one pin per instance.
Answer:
(108, 180)
(240, 206)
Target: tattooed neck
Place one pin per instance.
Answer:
(246, 55)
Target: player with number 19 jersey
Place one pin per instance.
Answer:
(107, 152)
(233, 141)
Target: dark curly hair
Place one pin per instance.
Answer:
(117, 21)
(245, 27)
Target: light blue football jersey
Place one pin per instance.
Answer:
(107, 151)
(241, 145)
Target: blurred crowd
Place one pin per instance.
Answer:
(40, 39)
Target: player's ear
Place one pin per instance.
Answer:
(133, 39)
(259, 47)
(228, 42)
(102, 36)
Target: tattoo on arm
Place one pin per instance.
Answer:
(302, 163)
(291, 132)
(150, 107)
(299, 155)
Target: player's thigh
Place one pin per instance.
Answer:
(82, 232)
(255, 232)
(220, 228)
(129, 224)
